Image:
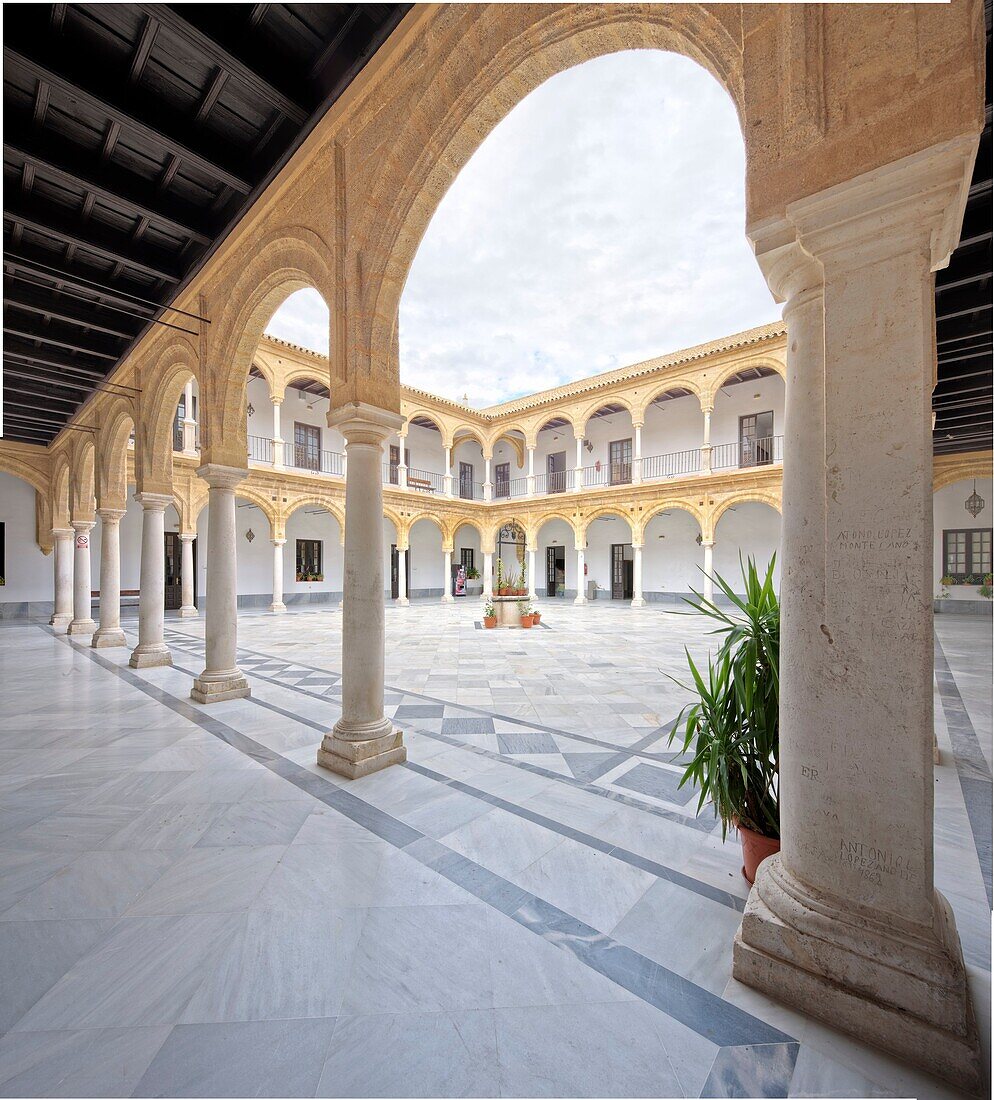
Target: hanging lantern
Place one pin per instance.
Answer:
(974, 502)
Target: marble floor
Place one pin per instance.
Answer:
(531, 906)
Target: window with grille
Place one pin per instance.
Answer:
(309, 560)
(967, 553)
(466, 558)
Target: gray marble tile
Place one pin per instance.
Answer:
(257, 823)
(526, 743)
(431, 1054)
(257, 1058)
(340, 875)
(281, 964)
(172, 826)
(34, 955)
(421, 959)
(752, 1071)
(95, 1062)
(24, 871)
(657, 783)
(142, 974)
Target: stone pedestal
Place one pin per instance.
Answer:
(845, 922)
(82, 594)
(63, 568)
(152, 650)
(222, 678)
(109, 634)
(363, 740)
(507, 611)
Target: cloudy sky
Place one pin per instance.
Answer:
(600, 224)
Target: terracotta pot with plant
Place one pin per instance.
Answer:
(526, 614)
(489, 615)
(536, 617)
(733, 726)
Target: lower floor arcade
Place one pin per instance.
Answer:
(531, 905)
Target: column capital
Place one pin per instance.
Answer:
(221, 477)
(637, 545)
(362, 423)
(154, 502)
(62, 533)
(187, 536)
(708, 543)
(83, 525)
(402, 547)
(111, 515)
(278, 542)
(276, 398)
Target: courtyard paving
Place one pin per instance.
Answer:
(531, 906)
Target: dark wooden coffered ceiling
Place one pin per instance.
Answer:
(135, 137)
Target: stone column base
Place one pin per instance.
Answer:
(106, 639)
(188, 612)
(638, 602)
(216, 687)
(277, 607)
(580, 601)
(150, 656)
(889, 986)
(354, 759)
(60, 622)
(448, 598)
(81, 626)
(402, 601)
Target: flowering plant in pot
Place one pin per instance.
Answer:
(525, 611)
(489, 615)
(732, 728)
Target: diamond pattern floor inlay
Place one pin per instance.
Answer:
(532, 905)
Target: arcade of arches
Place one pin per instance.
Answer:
(243, 472)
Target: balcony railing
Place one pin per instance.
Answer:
(298, 457)
(425, 481)
(556, 481)
(260, 449)
(177, 437)
(675, 464)
(746, 453)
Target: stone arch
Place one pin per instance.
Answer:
(547, 517)
(334, 508)
(117, 424)
(470, 434)
(661, 387)
(584, 522)
(455, 524)
(60, 492)
(725, 372)
(162, 384)
(432, 517)
(440, 422)
(673, 505)
(304, 373)
(288, 259)
(516, 445)
(82, 484)
(31, 468)
(493, 528)
(962, 468)
(746, 496)
(487, 70)
(583, 418)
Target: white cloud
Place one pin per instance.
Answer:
(601, 223)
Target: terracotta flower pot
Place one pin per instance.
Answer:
(755, 848)
(489, 621)
(526, 622)
(536, 617)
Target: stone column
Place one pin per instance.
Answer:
(402, 577)
(222, 678)
(152, 650)
(62, 609)
(447, 596)
(447, 481)
(531, 469)
(488, 575)
(578, 476)
(531, 573)
(82, 587)
(708, 547)
(706, 445)
(188, 578)
(109, 632)
(363, 740)
(637, 461)
(845, 922)
(278, 443)
(278, 604)
(488, 489)
(581, 580)
(638, 600)
(189, 422)
(402, 467)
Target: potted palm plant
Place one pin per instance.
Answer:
(732, 728)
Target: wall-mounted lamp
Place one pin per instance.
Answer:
(251, 409)
(250, 534)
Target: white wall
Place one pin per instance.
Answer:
(672, 426)
(671, 557)
(601, 534)
(555, 533)
(29, 576)
(309, 523)
(752, 529)
(949, 513)
(740, 399)
(427, 564)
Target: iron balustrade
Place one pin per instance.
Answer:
(177, 437)
(425, 481)
(595, 475)
(747, 453)
(260, 449)
(516, 487)
(555, 481)
(674, 464)
(298, 456)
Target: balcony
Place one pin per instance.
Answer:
(748, 453)
(675, 464)
(260, 449)
(310, 460)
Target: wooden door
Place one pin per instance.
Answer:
(756, 439)
(622, 571)
(621, 461)
(174, 567)
(502, 479)
(556, 470)
(466, 480)
(307, 447)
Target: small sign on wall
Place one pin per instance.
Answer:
(82, 541)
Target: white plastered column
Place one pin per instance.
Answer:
(109, 633)
(447, 596)
(188, 580)
(638, 600)
(363, 740)
(578, 473)
(706, 445)
(637, 463)
(82, 590)
(278, 604)
(402, 599)
(532, 595)
(402, 465)
(279, 446)
(62, 576)
(581, 580)
(447, 479)
(488, 489)
(488, 575)
(531, 469)
(845, 923)
(189, 422)
(222, 678)
(152, 650)
(707, 545)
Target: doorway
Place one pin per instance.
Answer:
(395, 572)
(466, 480)
(174, 571)
(555, 466)
(622, 571)
(756, 439)
(555, 570)
(620, 455)
(502, 480)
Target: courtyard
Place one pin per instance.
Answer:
(529, 906)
